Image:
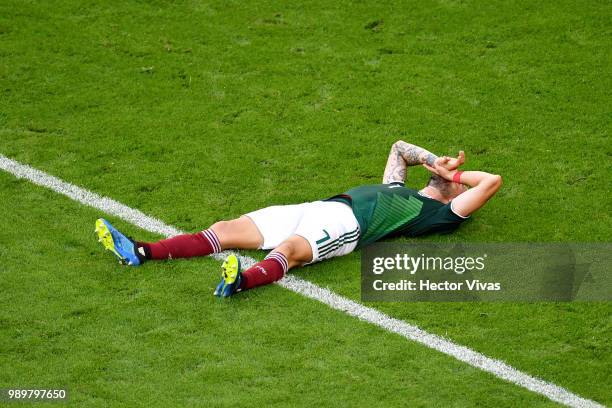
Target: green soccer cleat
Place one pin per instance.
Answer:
(113, 240)
(231, 277)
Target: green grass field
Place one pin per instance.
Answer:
(194, 112)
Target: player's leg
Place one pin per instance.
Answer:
(264, 228)
(325, 230)
(240, 233)
(276, 225)
(294, 251)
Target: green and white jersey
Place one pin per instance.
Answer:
(384, 210)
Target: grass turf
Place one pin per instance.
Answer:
(195, 112)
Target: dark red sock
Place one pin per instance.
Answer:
(182, 246)
(267, 271)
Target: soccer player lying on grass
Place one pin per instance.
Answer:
(302, 234)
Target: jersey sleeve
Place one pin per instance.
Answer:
(441, 220)
(446, 220)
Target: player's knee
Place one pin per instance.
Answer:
(297, 251)
(288, 249)
(222, 228)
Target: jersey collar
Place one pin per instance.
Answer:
(425, 195)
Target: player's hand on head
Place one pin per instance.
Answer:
(441, 161)
(440, 170)
(445, 166)
(452, 163)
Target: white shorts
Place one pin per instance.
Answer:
(330, 227)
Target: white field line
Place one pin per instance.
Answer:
(496, 367)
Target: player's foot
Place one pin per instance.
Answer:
(231, 277)
(120, 245)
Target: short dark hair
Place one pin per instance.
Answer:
(442, 185)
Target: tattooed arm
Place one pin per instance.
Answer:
(403, 155)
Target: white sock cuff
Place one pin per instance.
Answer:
(212, 238)
(282, 259)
